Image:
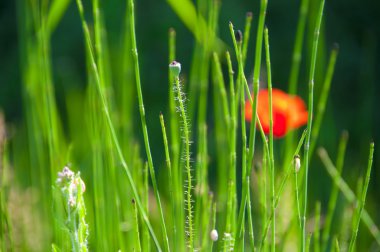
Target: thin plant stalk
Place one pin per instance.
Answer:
(247, 29)
(322, 101)
(362, 199)
(280, 190)
(332, 204)
(145, 238)
(348, 193)
(271, 156)
(308, 241)
(295, 65)
(256, 81)
(297, 50)
(309, 121)
(297, 190)
(175, 67)
(263, 193)
(143, 123)
(337, 248)
(249, 212)
(170, 176)
(213, 221)
(136, 219)
(110, 125)
(175, 146)
(317, 218)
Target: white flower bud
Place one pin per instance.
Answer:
(175, 68)
(297, 163)
(214, 235)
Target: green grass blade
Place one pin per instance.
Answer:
(317, 228)
(309, 121)
(322, 101)
(271, 155)
(334, 191)
(256, 80)
(110, 124)
(143, 124)
(348, 193)
(280, 190)
(362, 199)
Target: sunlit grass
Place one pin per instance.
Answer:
(221, 188)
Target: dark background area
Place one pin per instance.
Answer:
(354, 100)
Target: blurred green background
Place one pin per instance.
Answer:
(354, 99)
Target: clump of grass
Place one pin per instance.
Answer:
(182, 204)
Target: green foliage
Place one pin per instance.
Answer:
(227, 191)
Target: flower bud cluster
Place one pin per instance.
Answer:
(70, 184)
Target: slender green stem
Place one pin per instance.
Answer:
(256, 81)
(348, 193)
(271, 156)
(169, 166)
(322, 101)
(143, 122)
(249, 212)
(309, 121)
(136, 219)
(213, 221)
(295, 66)
(176, 68)
(110, 125)
(263, 190)
(308, 241)
(247, 29)
(334, 191)
(337, 248)
(146, 240)
(362, 199)
(317, 218)
(298, 44)
(227, 246)
(297, 189)
(280, 190)
(222, 91)
(175, 147)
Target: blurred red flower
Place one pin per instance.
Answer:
(289, 111)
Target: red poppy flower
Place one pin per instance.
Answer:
(289, 112)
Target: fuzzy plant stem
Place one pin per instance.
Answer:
(362, 199)
(175, 145)
(176, 69)
(143, 123)
(110, 125)
(309, 121)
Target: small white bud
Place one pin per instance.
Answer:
(214, 235)
(297, 163)
(175, 68)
